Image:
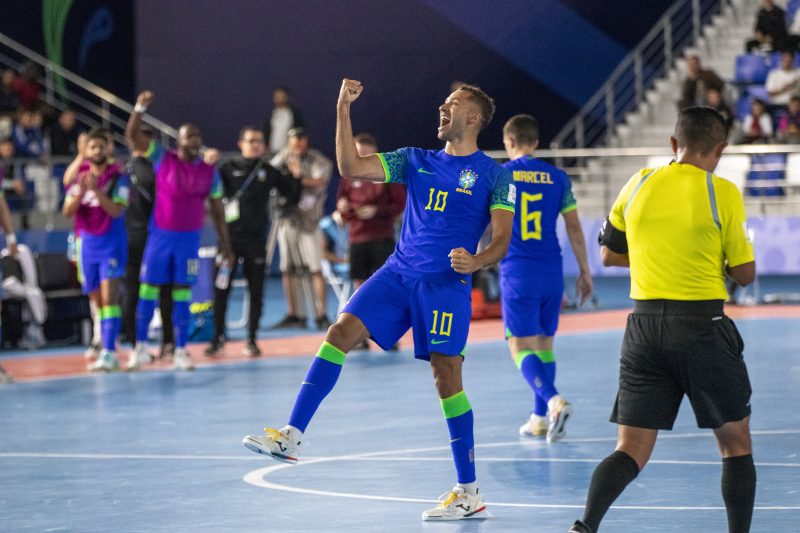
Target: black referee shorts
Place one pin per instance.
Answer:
(673, 348)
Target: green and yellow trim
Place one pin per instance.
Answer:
(571, 207)
(545, 356)
(148, 292)
(331, 353)
(110, 311)
(456, 405)
(387, 175)
(181, 295)
(502, 206)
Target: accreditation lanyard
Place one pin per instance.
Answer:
(231, 205)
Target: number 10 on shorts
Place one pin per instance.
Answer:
(444, 325)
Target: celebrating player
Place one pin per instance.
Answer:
(183, 182)
(426, 284)
(97, 199)
(532, 283)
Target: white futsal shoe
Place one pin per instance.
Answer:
(282, 445)
(535, 426)
(457, 505)
(560, 410)
(106, 362)
(139, 356)
(92, 352)
(181, 360)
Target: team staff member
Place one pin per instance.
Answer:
(137, 220)
(247, 181)
(678, 341)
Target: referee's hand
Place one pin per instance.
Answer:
(462, 261)
(583, 287)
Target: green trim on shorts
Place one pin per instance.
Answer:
(110, 311)
(148, 292)
(181, 295)
(331, 353)
(456, 405)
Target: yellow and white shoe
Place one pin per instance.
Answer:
(457, 505)
(536, 426)
(282, 445)
(560, 410)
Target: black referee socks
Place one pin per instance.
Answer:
(610, 478)
(739, 491)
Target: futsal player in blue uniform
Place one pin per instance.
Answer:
(453, 194)
(532, 282)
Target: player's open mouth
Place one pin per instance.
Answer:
(443, 121)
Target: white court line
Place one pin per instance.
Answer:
(258, 477)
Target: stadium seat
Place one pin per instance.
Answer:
(751, 68)
(747, 95)
(67, 306)
(767, 167)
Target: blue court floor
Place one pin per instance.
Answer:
(161, 451)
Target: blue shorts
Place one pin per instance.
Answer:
(438, 313)
(99, 263)
(531, 305)
(170, 257)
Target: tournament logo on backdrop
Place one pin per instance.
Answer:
(467, 180)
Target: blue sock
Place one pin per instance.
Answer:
(458, 413)
(538, 369)
(110, 324)
(321, 378)
(181, 315)
(148, 295)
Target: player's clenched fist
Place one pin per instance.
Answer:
(350, 91)
(462, 261)
(145, 98)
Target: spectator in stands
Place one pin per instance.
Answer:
(26, 85)
(336, 250)
(64, 134)
(698, 81)
(784, 82)
(9, 101)
(370, 210)
(714, 99)
(299, 237)
(11, 244)
(248, 180)
(28, 137)
(137, 221)
(283, 117)
(789, 123)
(757, 126)
(770, 30)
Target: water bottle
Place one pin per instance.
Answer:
(223, 276)
(72, 248)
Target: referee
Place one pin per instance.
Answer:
(680, 229)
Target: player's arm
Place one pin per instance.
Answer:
(583, 284)
(502, 223)
(350, 164)
(73, 199)
(72, 169)
(136, 139)
(8, 226)
(113, 206)
(217, 212)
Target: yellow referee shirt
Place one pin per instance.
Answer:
(682, 224)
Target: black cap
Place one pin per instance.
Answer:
(298, 132)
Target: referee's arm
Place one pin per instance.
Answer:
(612, 239)
(736, 245)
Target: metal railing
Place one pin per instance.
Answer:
(92, 104)
(679, 27)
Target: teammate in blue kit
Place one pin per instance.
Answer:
(532, 282)
(453, 194)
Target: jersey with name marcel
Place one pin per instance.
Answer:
(181, 189)
(449, 203)
(543, 192)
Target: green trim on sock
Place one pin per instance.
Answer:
(456, 405)
(521, 355)
(546, 356)
(331, 353)
(181, 295)
(110, 311)
(148, 292)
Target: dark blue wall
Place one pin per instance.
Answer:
(216, 63)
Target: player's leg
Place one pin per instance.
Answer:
(533, 358)
(181, 316)
(131, 280)
(110, 320)
(357, 322)
(440, 318)
(90, 284)
(221, 295)
(155, 272)
(167, 330)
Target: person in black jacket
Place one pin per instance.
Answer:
(137, 220)
(770, 31)
(247, 182)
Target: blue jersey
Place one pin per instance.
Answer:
(543, 192)
(449, 203)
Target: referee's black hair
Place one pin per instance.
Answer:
(700, 129)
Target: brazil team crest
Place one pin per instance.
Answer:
(467, 180)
